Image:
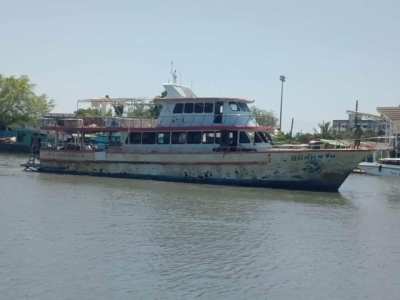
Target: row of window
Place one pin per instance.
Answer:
(199, 108)
(197, 137)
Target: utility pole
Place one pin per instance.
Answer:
(282, 78)
(356, 116)
(291, 128)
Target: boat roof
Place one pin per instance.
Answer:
(173, 92)
(176, 92)
(118, 100)
(201, 99)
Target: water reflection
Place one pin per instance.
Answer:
(199, 192)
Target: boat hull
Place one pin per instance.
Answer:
(378, 169)
(320, 170)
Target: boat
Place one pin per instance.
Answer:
(382, 167)
(20, 140)
(213, 140)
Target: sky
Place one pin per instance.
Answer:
(331, 52)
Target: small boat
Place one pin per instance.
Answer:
(382, 167)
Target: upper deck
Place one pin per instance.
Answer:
(179, 109)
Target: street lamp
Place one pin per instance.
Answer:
(282, 78)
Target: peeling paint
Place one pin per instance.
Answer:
(316, 170)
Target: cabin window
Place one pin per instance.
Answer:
(149, 138)
(234, 106)
(229, 138)
(218, 110)
(188, 108)
(244, 138)
(218, 137)
(178, 138)
(243, 107)
(260, 137)
(178, 109)
(198, 108)
(219, 107)
(194, 137)
(135, 138)
(163, 137)
(208, 108)
(208, 138)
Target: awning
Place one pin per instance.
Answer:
(391, 113)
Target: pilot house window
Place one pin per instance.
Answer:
(198, 108)
(188, 108)
(234, 106)
(243, 107)
(208, 108)
(178, 109)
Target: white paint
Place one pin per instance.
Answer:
(321, 167)
(379, 169)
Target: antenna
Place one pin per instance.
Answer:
(173, 73)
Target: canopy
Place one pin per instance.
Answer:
(391, 113)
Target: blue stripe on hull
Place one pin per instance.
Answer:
(308, 185)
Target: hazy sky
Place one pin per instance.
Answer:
(332, 52)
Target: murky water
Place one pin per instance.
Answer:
(77, 237)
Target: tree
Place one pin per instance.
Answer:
(145, 111)
(19, 104)
(264, 117)
(303, 138)
(325, 130)
(118, 109)
(282, 138)
(90, 113)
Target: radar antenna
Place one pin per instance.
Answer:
(173, 73)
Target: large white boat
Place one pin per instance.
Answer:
(383, 167)
(195, 139)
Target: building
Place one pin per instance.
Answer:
(367, 122)
(340, 125)
(391, 115)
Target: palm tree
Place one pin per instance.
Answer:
(325, 130)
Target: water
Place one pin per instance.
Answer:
(77, 237)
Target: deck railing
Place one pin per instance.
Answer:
(184, 120)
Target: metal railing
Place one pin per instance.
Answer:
(178, 120)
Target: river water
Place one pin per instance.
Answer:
(78, 237)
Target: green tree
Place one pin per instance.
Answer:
(282, 138)
(145, 111)
(303, 138)
(264, 117)
(324, 130)
(88, 113)
(19, 104)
